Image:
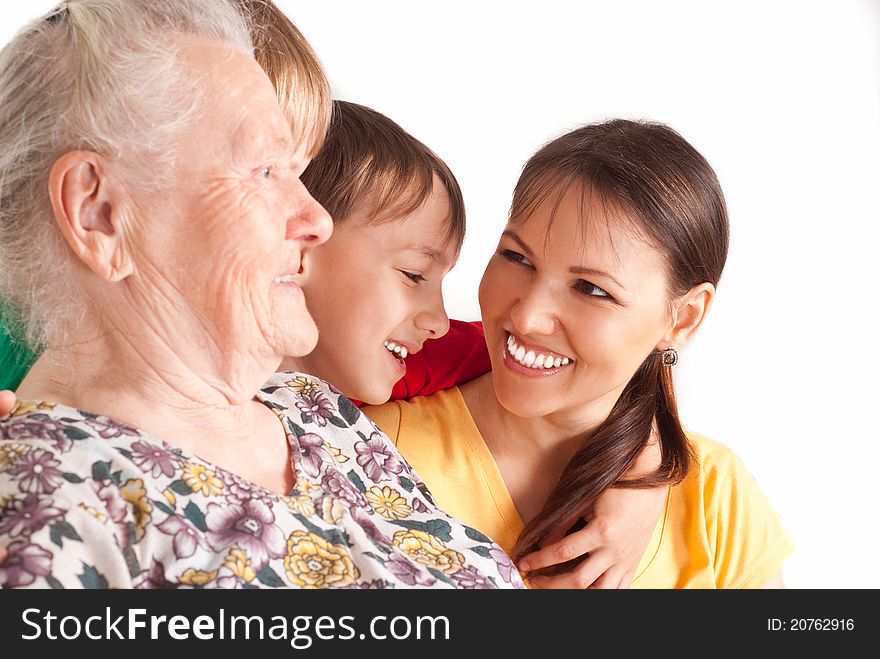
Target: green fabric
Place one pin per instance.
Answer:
(15, 359)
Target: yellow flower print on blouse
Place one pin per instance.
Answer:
(428, 550)
(10, 453)
(240, 564)
(302, 385)
(302, 505)
(388, 502)
(101, 517)
(135, 494)
(193, 577)
(203, 480)
(312, 562)
(337, 454)
(331, 509)
(26, 406)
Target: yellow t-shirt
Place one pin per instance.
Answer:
(717, 530)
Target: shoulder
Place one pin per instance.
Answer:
(744, 533)
(712, 457)
(728, 488)
(420, 415)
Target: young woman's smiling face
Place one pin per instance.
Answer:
(572, 307)
(374, 288)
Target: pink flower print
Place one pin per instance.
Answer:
(153, 459)
(109, 429)
(316, 405)
(471, 578)
(312, 453)
(186, 538)
(26, 562)
(37, 469)
(24, 516)
(249, 526)
(377, 458)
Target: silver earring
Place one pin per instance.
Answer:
(669, 357)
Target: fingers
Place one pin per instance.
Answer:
(558, 532)
(596, 572)
(7, 402)
(614, 578)
(570, 547)
(626, 579)
(581, 577)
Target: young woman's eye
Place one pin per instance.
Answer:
(515, 257)
(413, 277)
(589, 288)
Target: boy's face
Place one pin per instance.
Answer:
(373, 287)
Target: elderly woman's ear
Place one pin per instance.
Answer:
(89, 205)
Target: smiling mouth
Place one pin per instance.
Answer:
(537, 360)
(397, 350)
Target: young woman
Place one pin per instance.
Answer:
(617, 237)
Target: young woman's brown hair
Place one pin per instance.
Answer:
(668, 191)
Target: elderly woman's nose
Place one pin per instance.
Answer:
(535, 311)
(310, 224)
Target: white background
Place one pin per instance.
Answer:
(782, 97)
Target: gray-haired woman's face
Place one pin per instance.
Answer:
(225, 241)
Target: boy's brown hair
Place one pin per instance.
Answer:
(367, 159)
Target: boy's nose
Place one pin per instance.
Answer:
(434, 321)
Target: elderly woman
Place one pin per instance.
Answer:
(145, 163)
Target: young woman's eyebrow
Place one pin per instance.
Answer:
(510, 234)
(581, 270)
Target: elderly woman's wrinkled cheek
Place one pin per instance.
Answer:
(236, 250)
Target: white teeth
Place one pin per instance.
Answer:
(531, 359)
(284, 279)
(402, 351)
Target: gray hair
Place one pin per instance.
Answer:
(98, 75)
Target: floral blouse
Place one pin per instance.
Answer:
(86, 501)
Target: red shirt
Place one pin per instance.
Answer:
(459, 356)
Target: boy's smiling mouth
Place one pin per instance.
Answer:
(399, 351)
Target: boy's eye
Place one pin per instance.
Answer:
(413, 277)
(589, 288)
(516, 257)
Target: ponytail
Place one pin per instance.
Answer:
(669, 194)
(647, 403)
